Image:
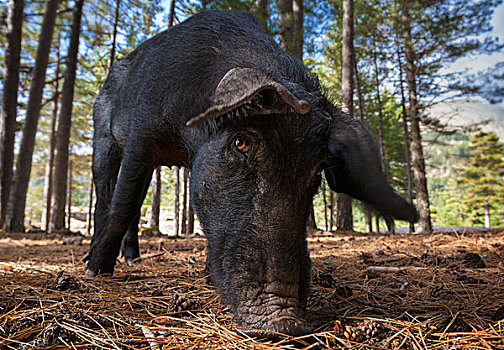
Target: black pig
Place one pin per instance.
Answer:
(218, 95)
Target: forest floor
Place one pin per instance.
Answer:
(370, 291)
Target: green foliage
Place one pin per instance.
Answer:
(464, 176)
(483, 179)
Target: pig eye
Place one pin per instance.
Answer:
(242, 144)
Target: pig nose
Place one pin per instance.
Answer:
(277, 331)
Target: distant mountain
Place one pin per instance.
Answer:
(467, 112)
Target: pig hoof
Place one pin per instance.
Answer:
(90, 273)
(132, 262)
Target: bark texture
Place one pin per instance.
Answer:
(380, 112)
(368, 216)
(297, 28)
(290, 26)
(46, 211)
(417, 157)
(185, 180)
(285, 24)
(406, 137)
(114, 35)
(64, 124)
(260, 9)
(171, 14)
(14, 220)
(176, 201)
(9, 101)
(69, 196)
(344, 215)
(90, 205)
(156, 199)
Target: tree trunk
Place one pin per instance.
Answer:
(360, 99)
(64, 125)
(114, 35)
(311, 223)
(331, 210)
(325, 205)
(156, 200)
(285, 24)
(190, 219)
(69, 195)
(290, 26)
(185, 174)
(9, 101)
(344, 215)
(260, 9)
(297, 30)
(406, 137)
(52, 140)
(90, 205)
(176, 201)
(368, 216)
(14, 220)
(487, 214)
(171, 14)
(424, 224)
(380, 113)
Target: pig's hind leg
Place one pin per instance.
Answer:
(136, 170)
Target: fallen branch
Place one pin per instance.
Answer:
(142, 258)
(421, 268)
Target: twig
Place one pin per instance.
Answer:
(143, 258)
(151, 338)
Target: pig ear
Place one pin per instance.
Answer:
(240, 86)
(353, 167)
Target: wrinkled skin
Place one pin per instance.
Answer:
(219, 96)
(260, 262)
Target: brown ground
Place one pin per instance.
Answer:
(439, 296)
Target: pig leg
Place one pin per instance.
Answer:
(130, 249)
(106, 163)
(125, 206)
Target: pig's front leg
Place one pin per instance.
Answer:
(126, 202)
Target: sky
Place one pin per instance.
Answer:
(480, 62)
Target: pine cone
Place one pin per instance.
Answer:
(372, 330)
(338, 328)
(399, 342)
(353, 334)
(180, 303)
(323, 279)
(65, 282)
(316, 297)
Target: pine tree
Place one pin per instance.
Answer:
(8, 112)
(57, 219)
(344, 215)
(14, 221)
(484, 180)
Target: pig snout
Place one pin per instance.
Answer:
(275, 311)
